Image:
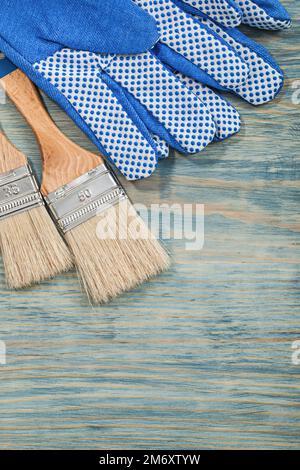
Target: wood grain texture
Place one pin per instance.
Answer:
(10, 157)
(201, 357)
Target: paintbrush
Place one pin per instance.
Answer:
(32, 249)
(113, 248)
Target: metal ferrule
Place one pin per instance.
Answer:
(19, 192)
(84, 198)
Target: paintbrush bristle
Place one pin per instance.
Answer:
(32, 248)
(112, 264)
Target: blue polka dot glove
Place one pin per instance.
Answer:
(224, 12)
(265, 79)
(37, 29)
(132, 106)
(212, 55)
(188, 45)
(263, 14)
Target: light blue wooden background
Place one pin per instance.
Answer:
(201, 357)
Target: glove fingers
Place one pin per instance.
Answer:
(265, 79)
(188, 37)
(76, 75)
(163, 148)
(226, 117)
(264, 14)
(184, 117)
(155, 127)
(224, 12)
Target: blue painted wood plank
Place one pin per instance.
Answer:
(200, 357)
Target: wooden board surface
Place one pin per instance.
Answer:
(200, 358)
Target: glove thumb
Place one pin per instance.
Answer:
(105, 27)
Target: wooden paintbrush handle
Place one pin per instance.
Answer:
(10, 157)
(63, 160)
(27, 99)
